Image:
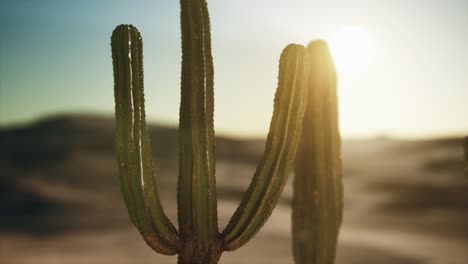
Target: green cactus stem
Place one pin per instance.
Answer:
(196, 193)
(317, 188)
(132, 144)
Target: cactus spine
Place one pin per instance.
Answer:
(317, 188)
(198, 240)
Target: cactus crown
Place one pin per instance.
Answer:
(198, 239)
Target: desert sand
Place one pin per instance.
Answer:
(406, 201)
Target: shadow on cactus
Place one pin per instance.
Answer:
(198, 238)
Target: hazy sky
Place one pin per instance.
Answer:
(55, 58)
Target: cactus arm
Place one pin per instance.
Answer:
(317, 188)
(133, 144)
(272, 172)
(196, 193)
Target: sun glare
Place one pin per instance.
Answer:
(352, 48)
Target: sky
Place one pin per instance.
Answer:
(55, 58)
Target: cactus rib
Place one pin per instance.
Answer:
(283, 138)
(317, 188)
(133, 144)
(196, 194)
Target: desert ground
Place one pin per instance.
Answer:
(406, 201)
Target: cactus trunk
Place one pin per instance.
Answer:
(317, 187)
(196, 192)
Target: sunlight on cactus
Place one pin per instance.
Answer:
(317, 205)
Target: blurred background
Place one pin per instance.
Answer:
(402, 92)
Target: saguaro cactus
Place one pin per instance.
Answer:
(198, 239)
(317, 188)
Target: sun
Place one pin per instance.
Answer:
(352, 48)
